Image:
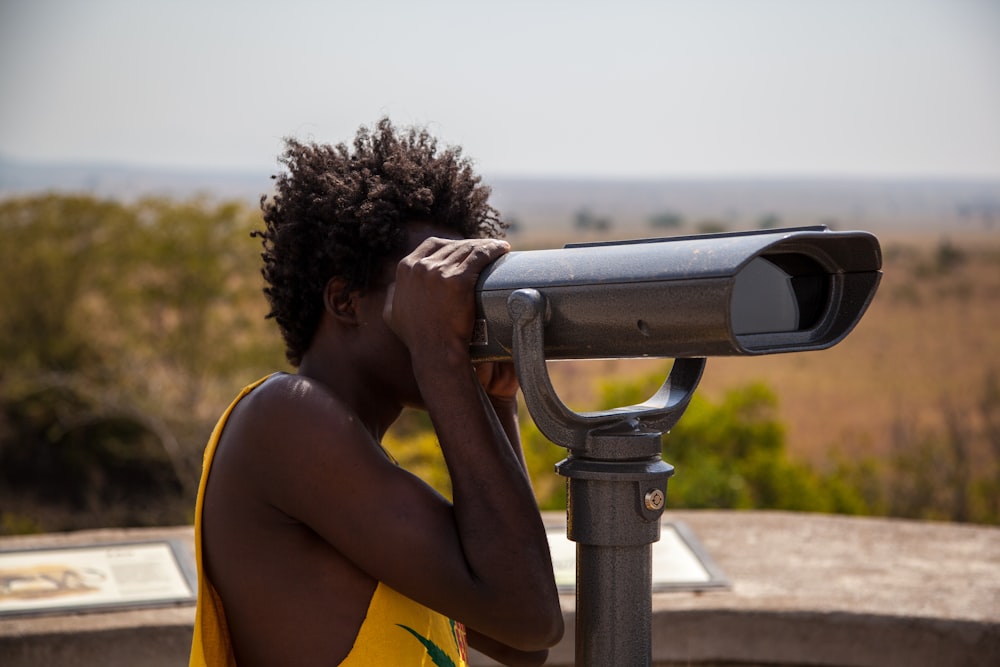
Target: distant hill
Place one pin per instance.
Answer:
(128, 182)
(561, 205)
(746, 204)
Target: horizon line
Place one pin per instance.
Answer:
(507, 175)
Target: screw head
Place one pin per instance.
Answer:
(654, 499)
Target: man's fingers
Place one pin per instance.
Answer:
(467, 250)
(469, 258)
(466, 255)
(427, 249)
(484, 252)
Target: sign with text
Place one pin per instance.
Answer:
(94, 577)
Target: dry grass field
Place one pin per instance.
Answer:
(927, 346)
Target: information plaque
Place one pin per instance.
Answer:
(680, 563)
(161, 573)
(98, 577)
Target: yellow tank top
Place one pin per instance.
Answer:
(396, 631)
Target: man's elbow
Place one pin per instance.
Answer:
(543, 629)
(555, 629)
(528, 620)
(556, 626)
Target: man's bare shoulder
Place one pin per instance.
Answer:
(290, 404)
(294, 444)
(291, 428)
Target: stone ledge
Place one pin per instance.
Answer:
(807, 589)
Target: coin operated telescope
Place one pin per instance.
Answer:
(686, 298)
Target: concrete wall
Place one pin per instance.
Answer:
(805, 589)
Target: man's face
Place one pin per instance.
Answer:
(391, 359)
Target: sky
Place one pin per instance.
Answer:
(614, 89)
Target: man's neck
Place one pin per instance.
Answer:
(342, 379)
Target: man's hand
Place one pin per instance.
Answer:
(499, 379)
(432, 301)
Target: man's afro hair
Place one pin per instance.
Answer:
(342, 211)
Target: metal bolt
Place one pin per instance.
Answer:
(654, 499)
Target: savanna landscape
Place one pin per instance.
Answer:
(127, 327)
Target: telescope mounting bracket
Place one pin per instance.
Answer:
(577, 430)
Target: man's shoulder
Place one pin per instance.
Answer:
(291, 403)
(292, 432)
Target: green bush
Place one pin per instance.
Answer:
(731, 454)
(727, 455)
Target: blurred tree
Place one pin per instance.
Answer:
(125, 330)
(56, 258)
(711, 227)
(515, 225)
(191, 314)
(666, 220)
(55, 254)
(731, 454)
(585, 220)
(728, 455)
(950, 473)
(768, 221)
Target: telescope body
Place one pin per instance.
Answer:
(748, 293)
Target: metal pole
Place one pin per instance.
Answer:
(613, 607)
(613, 514)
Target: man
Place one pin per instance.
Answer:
(314, 547)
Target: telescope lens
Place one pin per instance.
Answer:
(778, 294)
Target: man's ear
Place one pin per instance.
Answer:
(340, 301)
